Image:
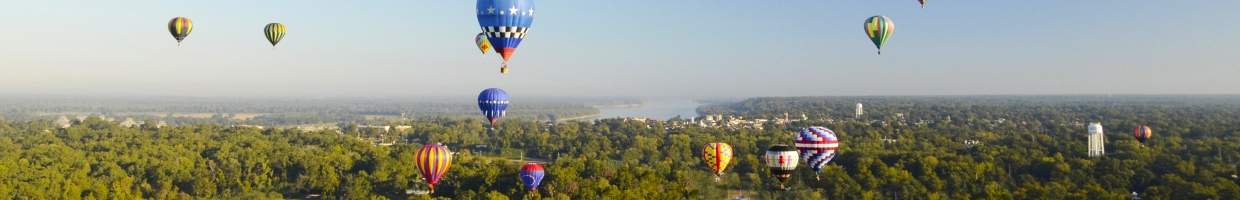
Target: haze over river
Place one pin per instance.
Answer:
(659, 109)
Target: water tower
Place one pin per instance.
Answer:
(860, 111)
(1097, 141)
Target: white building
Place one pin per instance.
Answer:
(860, 111)
(130, 123)
(1097, 141)
(63, 122)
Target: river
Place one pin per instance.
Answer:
(659, 109)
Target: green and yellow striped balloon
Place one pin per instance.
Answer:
(879, 29)
(274, 32)
(180, 28)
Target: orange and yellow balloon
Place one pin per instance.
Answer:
(717, 156)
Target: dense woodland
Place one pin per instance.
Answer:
(1029, 148)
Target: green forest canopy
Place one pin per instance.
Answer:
(1036, 152)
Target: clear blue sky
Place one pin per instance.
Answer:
(649, 48)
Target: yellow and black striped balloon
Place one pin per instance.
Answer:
(180, 28)
(274, 32)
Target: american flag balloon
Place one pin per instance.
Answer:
(817, 146)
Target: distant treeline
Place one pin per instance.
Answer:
(1030, 108)
(284, 111)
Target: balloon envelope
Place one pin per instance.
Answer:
(180, 28)
(433, 161)
(1142, 133)
(879, 29)
(274, 32)
(717, 156)
(505, 23)
(483, 43)
(494, 104)
(781, 160)
(531, 175)
(817, 146)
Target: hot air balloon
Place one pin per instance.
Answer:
(1142, 133)
(531, 175)
(505, 23)
(717, 156)
(879, 29)
(494, 104)
(274, 32)
(180, 28)
(484, 44)
(923, 3)
(817, 146)
(433, 161)
(782, 160)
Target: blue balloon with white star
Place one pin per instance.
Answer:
(505, 23)
(494, 104)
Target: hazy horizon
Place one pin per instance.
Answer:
(639, 48)
(549, 98)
